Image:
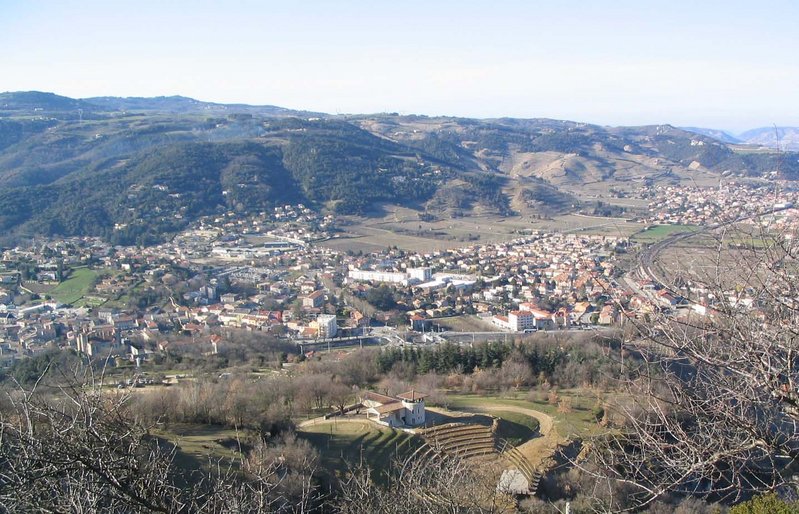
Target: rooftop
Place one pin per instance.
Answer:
(412, 396)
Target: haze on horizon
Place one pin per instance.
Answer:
(729, 65)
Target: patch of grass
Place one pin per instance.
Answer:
(74, 288)
(344, 444)
(659, 232)
(578, 421)
(90, 301)
(196, 444)
(466, 323)
(515, 427)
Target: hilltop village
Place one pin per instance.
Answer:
(271, 273)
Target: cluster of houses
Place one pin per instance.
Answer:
(297, 293)
(564, 279)
(693, 205)
(207, 279)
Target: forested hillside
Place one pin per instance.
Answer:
(136, 170)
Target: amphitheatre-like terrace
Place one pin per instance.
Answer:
(506, 441)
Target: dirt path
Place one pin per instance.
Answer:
(322, 421)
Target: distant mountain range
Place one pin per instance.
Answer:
(783, 138)
(50, 102)
(135, 170)
(720, 135)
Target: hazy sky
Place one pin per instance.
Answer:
(726, 64)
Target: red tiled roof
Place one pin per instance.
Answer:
(389, 407)
(412, 396)
(377, 397)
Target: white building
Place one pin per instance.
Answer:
(326, 324)
(379, 276)
(519, 321)
(406, 409)
(420, 274)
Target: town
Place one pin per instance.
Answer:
(272, 273)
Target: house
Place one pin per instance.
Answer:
(406, 409)
(124, 322)
(501, 322)
(544, 320)
(608, 314)
(357, 319)
(229, 298)
(314, 300)
(420, 324)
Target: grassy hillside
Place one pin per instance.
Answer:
(345, 443)
(75, 287)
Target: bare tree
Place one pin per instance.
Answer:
(78, 450)
(432, 485)
(714, 408)
(516, 372)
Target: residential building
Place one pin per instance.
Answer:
(314, 300)
(519, 321)
(379, 276)
(326, 323)
(406, 409)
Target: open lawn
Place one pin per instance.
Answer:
(344, 442)
(75, 287)
(515, 427)
(578, 422)
(465, 323)
(659, 232)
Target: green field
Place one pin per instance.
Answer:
(199, 445)
(515, 427)
(578, 422)
(74, 288)
(345, 443)
(659, 232)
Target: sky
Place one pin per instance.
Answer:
(731, 65)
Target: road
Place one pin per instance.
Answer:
(648, 257)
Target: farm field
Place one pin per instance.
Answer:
(401, 227)
(708, 257)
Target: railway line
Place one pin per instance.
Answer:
(647, 258)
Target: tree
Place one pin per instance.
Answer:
(766, 504)
(340, 396)
(381, 297)
(517, 372)
(81, 451)
(714, 409)
(436, 485)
